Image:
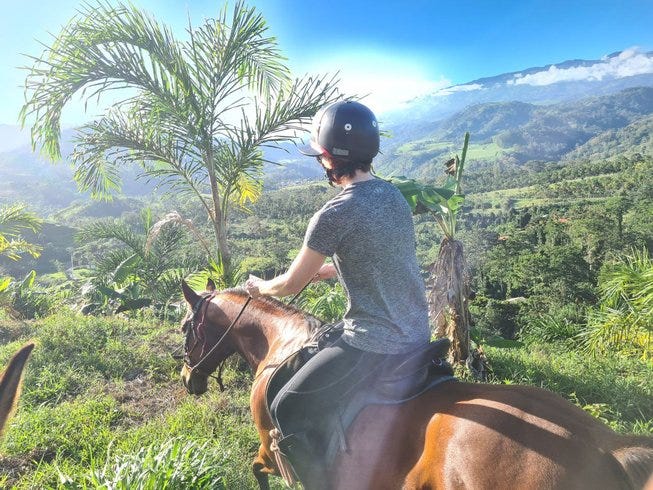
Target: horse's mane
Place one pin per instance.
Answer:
(273, 305)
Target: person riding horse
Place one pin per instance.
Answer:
(367, 230)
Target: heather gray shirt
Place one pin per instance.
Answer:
(368, 231)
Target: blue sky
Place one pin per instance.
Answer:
(393, 49)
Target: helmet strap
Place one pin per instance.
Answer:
(330, 176)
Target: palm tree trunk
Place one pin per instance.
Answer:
(218, 219)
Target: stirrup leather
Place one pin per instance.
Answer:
(285, 468)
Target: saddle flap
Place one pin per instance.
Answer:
(416, 361)
(325, 335)
(284, 371)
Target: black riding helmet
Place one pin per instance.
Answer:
(346, 130)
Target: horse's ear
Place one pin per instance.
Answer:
(10, 383)
(210, 285)
(191, 296)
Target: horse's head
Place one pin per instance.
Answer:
(206, 344)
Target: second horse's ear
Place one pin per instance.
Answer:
(10, 383)
(210, 285)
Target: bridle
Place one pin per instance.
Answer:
(196, 334)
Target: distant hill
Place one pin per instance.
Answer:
(27, 177)
(566, 81)
(517, 132)
(11, 137)
(434, 124)
(632, 139)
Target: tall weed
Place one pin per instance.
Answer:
(176, 464)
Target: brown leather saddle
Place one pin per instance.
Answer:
(407, 377)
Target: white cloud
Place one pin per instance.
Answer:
(628, 63)
(460, 88)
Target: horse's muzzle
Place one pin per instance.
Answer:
(196, 384)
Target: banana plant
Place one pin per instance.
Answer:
(449, 288)
(21, 299)
(443, 202)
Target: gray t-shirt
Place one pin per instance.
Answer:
(368, 231)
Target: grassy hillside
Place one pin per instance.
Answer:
(103, 403)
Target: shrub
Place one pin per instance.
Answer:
(558, 323)
(499, 317)
(624, 319)
(173, 465)
(324, 301)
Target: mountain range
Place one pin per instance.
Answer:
(577, 109)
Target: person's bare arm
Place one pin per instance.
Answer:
(303, 269)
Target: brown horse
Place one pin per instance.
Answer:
(10, 384)
(458, 435)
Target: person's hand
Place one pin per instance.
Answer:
(252, 286)
(327, 271)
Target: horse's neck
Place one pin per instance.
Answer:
(269, 334)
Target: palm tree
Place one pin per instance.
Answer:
(145, 267)
(197, 114)
(449, 288)
(14, 221)
(623, 320)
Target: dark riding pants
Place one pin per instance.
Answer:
(321, 384)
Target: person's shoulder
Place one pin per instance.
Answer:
(388, 187)
(384, 184)
(335, 205)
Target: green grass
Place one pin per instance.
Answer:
(174, 464)
(426, 145)
(103, 406)
(616, 389)
(485, 151)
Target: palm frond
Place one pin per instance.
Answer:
(14, 248)
(624, 320)
(134, 136)
(15, 219)
(173, 218)
(285, 114)
(103, 47)
(233, 53)
(113, 230)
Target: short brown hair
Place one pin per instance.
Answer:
(343, 167)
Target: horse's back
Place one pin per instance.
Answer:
(480, 436)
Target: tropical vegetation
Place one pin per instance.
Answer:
(198, 113)
(555, 286)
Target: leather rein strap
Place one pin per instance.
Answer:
(206, 302)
